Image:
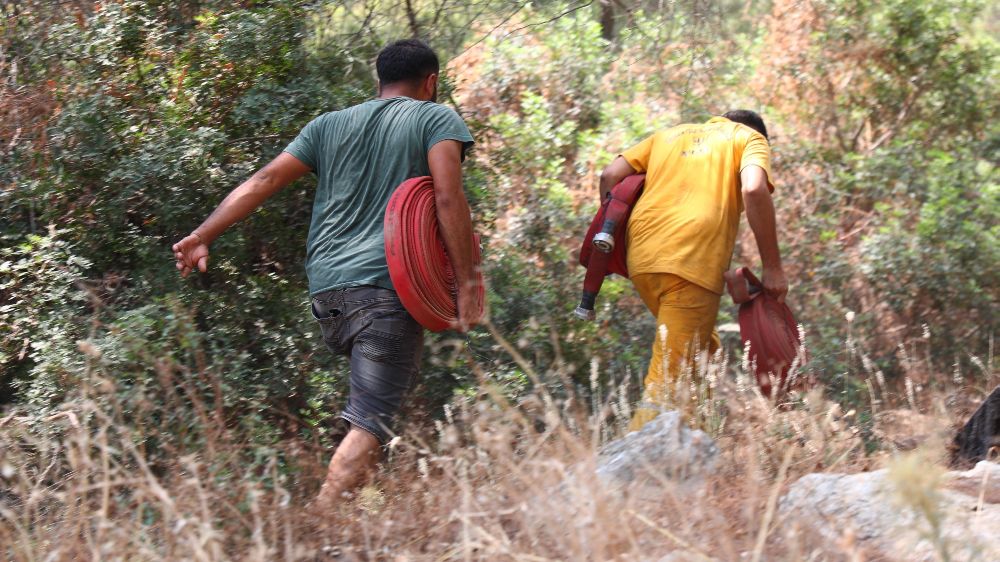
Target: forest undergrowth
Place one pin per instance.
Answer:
(492, 480)
(148, 417)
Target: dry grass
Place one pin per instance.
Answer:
(493, 481)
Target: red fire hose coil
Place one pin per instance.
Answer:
(418, 262)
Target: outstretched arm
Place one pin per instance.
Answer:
(455, 221)
(760, 215)
(192, 251)
(617, 170)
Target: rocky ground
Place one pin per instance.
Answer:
(914, 510)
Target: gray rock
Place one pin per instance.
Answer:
(663, 448)
(866, 505)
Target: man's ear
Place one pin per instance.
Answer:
(430, 85)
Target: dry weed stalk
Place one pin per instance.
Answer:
(493, 480)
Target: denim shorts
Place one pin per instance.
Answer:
(370, 325)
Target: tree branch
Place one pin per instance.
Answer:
(411, 15)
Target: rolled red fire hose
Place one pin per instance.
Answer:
(418, 262)
(603, 251)
(768, 331)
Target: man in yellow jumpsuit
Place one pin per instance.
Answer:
(699, 178)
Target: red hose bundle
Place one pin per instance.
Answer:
(767, 328)
(611, 223)
(418, 262)
(617, 208)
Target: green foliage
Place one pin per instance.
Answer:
(149, 112)
(933, 263)
(924, 76)
(159, 118)
(549, 119)
(565, 65)
(899, 227)
(41, 279)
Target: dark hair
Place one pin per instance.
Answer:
(406, 60)
(749, 118)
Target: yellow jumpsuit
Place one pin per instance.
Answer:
(680, 239)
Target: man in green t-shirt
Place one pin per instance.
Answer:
(360, 155)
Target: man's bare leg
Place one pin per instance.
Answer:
(352, 465)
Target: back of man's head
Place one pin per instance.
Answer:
(749, 118)
(406, 60)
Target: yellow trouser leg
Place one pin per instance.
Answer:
(685, 319)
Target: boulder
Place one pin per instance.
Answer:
(663, 449)
(867, 506)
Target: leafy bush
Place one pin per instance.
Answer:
(148, 112)
(931, 264)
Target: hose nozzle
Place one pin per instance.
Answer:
(586, 309)
(604, 242)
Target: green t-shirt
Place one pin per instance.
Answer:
(360, 155)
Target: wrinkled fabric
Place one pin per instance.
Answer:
(686, 221)
(688, 312)
(370, 325)
(360, 155)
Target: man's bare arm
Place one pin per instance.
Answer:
(760, 215)
(455, 221)
(617, 170)
(243, 200)
(192, 251)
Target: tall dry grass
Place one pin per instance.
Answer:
(493, 480)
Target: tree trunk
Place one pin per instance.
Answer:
(608, 19)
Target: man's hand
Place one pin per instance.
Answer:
(191, 252)
(468, 310)
(775, 283)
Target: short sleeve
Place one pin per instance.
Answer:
(305, 147)
(757, 152)
(638, 155)
(443, 123)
